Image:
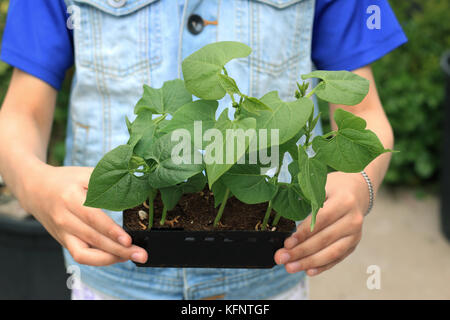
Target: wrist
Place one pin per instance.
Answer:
(31, 177)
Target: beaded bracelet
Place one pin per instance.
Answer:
(370, 186)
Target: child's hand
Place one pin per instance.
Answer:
(337, 231)
(56, 196)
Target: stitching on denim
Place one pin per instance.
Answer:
(239, 277)
(77, 152)
(218, 19)
(105, 88)
(147, 46)
(127, 9)
(279, 4)
(296, 46)
(94, 58)
(180, 37)
(231, 281)
(99, 56)
(119, 72)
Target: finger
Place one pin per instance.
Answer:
(317, 271)
(330, 213)
(72, 224)
(83, 254)
(96, 218)
(347, 225)
(323, 257)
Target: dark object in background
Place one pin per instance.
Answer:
(445, 178)
(31, 262)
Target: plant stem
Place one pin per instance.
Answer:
(329, 134)
(276, 219)
(151, 212)
(267, 216)
(163, 217)
(313, 90)
(222, 207)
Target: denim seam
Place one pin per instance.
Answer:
(180, 37)
(218, 18)
(240, 277)
(118, 72)
(105, 88)
(118, 11)
(279, 4)
(147, 46)
(297, 46)
(258, 47)
(227, 281)
(75, 146)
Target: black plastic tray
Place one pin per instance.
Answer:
(208, 249)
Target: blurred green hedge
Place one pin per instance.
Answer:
(410, 83)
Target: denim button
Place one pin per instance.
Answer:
(195, 24)
(117, 3)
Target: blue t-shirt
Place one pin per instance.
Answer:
(37, 41)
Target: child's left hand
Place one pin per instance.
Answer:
(338, 228)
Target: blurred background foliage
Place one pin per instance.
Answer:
(410, 83)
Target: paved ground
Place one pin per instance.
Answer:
(402, 237)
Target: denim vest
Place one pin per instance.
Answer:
(122, 44)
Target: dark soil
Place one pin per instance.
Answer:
(196, 212)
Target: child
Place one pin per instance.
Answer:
(116, 46)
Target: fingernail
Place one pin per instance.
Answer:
(284, 257)
(138, 257)
(123, 240)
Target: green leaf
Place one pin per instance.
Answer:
(229, 85)
(312, 178)
(345, 119)
(170, 196)
(128, 122)
(288, 203)
(254, 105)
(142, 132)
(215, 169)
(166, 172)
(291, 146)
(194, 184)
(167, 99)
(202, 68)
(113, 186)
(287, 117)
(352, 148)
(142, 124)
(218, 189)
(248, 184)
(340, 87)
(203, 111)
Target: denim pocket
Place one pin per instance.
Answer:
(118, 37)
(279, 33)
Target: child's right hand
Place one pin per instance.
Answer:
(55, 196)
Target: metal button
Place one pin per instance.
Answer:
(117, 3)
(195, 24)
